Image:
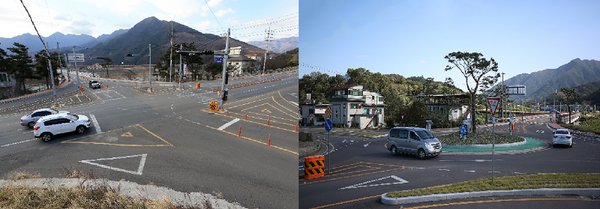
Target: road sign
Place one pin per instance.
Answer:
(218, 59)
(492, 120)
(493, 103)
(328, 112)
(79, 57)
(328, 125)
(463, 129)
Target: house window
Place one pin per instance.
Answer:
(339, 92)
(353, 106)
(380, 99)
(4, 78)
(355, 93)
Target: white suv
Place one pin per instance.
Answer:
(51, 125)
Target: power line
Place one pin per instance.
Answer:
(213, 13)
(34, 27)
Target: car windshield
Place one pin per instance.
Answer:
(94, 81)
(424, 134)
(562, 132)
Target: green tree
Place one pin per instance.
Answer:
(571, 97)
(107, 62)
(474, 66)
(20, 65)
(194, 62)
(41, 67)
(216, 68)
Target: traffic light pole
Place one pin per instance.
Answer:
(150, 66)
(224, 71)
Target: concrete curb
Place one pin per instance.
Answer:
(518, 192)
(131, 189)
(486, 145)
(372, 137)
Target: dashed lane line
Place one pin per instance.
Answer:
(19, 142)
(228, 124)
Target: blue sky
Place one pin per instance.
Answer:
(411, 38)
(99, 17)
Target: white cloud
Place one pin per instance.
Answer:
(211, 6)
(422, 61)
(223, 12)
(203, 25)
(80, 27)
(124, 7)
(178, 8)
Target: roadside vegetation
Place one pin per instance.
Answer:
(479, 137)
(534, 181)
(99, 196)
(591, 124)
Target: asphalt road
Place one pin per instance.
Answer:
(170, 138)
(362, 169)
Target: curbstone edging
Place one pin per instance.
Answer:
(517, 192)
(487, 145)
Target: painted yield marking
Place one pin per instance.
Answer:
(138, 172)
(368, 183)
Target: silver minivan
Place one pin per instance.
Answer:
(415, 141)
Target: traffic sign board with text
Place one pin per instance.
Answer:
(493, 103)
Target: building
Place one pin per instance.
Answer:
(242, 63)
(7, 82)
(313, 114)
(452, 104)
(353, 106)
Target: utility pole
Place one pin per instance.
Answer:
(77, 71)
(59, 62)
(502, 97)
(171, 58)
(225, 56)
(180, 67)
(266, 48)
(51, 74)
(150, 66)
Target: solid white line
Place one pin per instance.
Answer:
(96, 125)
(293, 103)
(228, 124)
(15, 143)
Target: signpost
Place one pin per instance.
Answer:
(328, 126)
(463, 131)
(493, 103)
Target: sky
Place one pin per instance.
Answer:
(411, 38)
(249, 18)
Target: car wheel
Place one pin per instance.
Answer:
(31, 124)
(394, 150)
(80, 129)
(46, 137)
(422, 154)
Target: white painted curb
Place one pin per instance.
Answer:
(517, 192)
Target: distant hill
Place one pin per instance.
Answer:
(278, 45)
(541, 84)
(156, 32)
(287, 59)
(588, 92)
(35, 45)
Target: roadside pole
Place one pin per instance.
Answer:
(328, 126)
(224, 70)
(51, 73)
(77, 71)
(493, 103)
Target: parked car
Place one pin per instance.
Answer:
(49, 126)
(415, 141)
(94, 84)
(30, 119)
(562, 136)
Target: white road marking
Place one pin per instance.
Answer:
(470, 171)
(20, 142)
(367, 144)
(293, 103)
(138, 172)
(96, 125)
(366, 183)
(443, 169)
(228, 124)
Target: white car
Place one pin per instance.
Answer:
(30, 119)
(562, 136)
(49, 126)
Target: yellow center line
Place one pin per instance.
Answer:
(9, 124)
(95, 95)
(284, 108)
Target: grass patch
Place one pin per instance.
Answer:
(534, 181)
(97, 196)
(308, 147)
(479, 137)
(591, 124)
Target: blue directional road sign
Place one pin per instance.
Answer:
(328, 125)
(218, 59)
(463, 129)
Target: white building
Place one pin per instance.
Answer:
(353, 106)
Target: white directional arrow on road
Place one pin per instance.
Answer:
(138, 172)
(368, 183)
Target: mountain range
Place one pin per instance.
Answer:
(541, 84)
(136, 39)
(278, 45)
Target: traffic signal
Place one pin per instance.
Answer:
(208, 52)
(225, 92)
(130, 55)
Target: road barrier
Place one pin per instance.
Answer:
(313, 167)
(213, 106)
